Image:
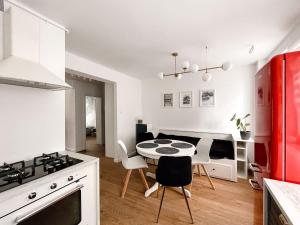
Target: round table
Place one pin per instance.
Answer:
(150, 149)
(156, 148)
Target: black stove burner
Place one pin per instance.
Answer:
(40, 160)
(15, 174)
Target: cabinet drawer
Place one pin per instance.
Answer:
(220, 171)
(275, 216)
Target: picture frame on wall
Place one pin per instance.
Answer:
(207, 98)
(168, 100)
(186, 99)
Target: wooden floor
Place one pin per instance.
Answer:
(231, 203)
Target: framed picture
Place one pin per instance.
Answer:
(168, 100)
(186, 99)
(208, 97)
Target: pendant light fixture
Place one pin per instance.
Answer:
(194, 68)
(206, 77)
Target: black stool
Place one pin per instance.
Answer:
(174, 172)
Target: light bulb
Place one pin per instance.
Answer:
(185, 65)
(206, 77)
(226, 66)
(178, 76)
(160, 76)
(194, 68)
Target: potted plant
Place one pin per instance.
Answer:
(242, 125)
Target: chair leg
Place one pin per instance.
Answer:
(157, 192)
(126, 183)
(208, 177)
(143, 178)
(199, 171)
(187, 203)
(191, 184)
(161, 201)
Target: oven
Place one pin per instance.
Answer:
(50, 205)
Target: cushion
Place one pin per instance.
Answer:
(145, 137)
(192, 140)
(221, 149)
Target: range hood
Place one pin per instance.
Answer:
(22, 64)
(22, 72)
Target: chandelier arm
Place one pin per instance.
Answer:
(200, 70)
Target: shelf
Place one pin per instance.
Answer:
(241, 145)
(241, 159)
(241, 174)
(241, 154)
(242, 169)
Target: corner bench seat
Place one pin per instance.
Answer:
(223, 163)
(220, 149)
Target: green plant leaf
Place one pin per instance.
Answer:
(233, 117)
(238, 122)
(247, 124)
(246, 116)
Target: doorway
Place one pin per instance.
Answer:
(87, 104)
(93, 125)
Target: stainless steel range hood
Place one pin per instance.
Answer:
(22, 66)
(22, 72)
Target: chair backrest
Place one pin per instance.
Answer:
(123, 149)
(174, 171)
(203, 149)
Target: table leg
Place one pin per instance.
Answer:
(187, 192)
(151, 175)
(151, 190)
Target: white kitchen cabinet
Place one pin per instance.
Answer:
(52, 48)
(22, 37)
(29, 37)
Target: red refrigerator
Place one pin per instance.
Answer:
(277, 136)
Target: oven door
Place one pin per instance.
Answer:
(62, 207)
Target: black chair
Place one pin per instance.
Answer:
(174, 172)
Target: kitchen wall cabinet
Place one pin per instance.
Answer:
(21, 34)
(34, 39)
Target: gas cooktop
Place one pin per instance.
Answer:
(18, 173)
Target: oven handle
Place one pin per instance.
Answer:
(35, 211)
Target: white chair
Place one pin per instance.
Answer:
(202, 158)
(136, 162)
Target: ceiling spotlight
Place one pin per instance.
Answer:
(251, 49)
(160, 76)
(227, 66)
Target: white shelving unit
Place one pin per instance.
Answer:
(241, 148)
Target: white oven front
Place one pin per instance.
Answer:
(65, 206)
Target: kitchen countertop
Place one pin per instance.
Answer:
(287, 197)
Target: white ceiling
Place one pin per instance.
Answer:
(136, 37)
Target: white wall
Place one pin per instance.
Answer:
(234, 94)
(128, 95)
(81, 90)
